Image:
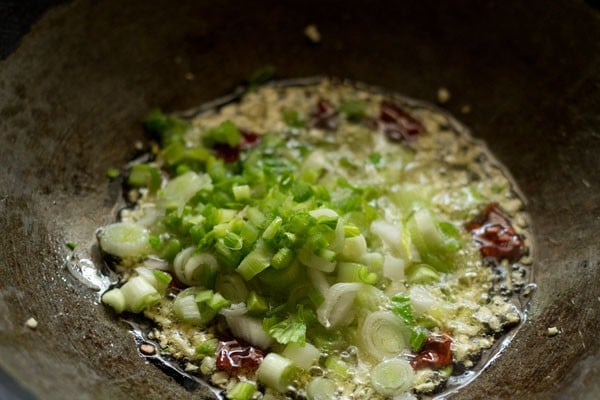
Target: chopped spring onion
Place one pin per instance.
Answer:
(112, 173)
(241, 192)
(391, 235)
(435, 246)
(186, 309)
(354, 109)
(144, 175)
(421, 299)
(336, 309)
(354, 272)
(272, 228)
(384, 335)
(275, 372)
(421, 273)
(255, 262)
(139, 294)
(208, 347)
(321, 389)
(257, 305)
(319, 280)
(158, 279)
(336, 365)
(312, 260)
(418, 337)
(226, 133)
(354, 248)
(181, 189)
(302, 356)
(393, 268)
(247, 328)
(125, 239)
(232, 287)
(392, 377)
(115, 299)
(402, 307)
(199, 270)
(242, 390)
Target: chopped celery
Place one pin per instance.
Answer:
(290, 330)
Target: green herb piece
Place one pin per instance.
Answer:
(354, 110)
(226, 133)
(402, 307)
(242, 390)
(375, 158)
(256, 304)
(142, 175)
(290, 330)
(207, 347)
(166, 128)
(112, 173)
(292, 118)
(418, 337)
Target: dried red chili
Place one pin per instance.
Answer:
(324, 116)
(233, 356)
(495, 235)
(249, 139)
(397, 124)
(436, 353)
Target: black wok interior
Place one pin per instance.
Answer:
(73, 93)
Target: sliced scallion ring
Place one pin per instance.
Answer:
(384, 335)
(392, 377)
(125, 239)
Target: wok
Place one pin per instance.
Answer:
(73, 94)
